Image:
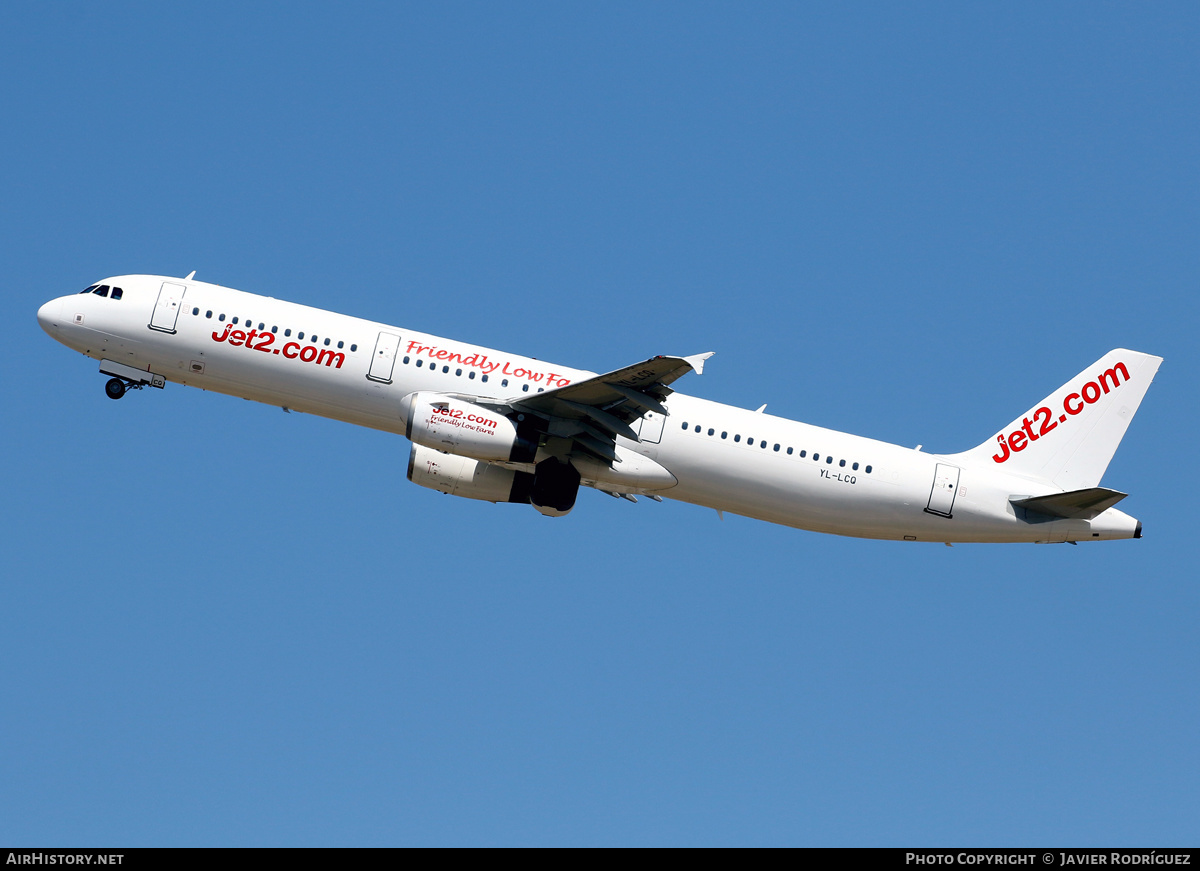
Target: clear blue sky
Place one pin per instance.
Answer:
(227, 625)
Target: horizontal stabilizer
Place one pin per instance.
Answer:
(1073, 505)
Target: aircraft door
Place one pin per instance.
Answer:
(945, 487)
(651, 428)
(166, 310)
(384, 358)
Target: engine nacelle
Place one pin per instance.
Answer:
(443, 423)
(463, 476)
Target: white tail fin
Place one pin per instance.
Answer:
(1070, 436)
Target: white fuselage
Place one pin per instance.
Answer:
(726, 458)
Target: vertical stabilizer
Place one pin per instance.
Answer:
(1070, 437)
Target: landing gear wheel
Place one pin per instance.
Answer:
(115, 388)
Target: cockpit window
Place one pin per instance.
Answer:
(102, 290)
(88, 289)
(117, 293)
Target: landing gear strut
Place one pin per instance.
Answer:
(122, 378)
(115, 387)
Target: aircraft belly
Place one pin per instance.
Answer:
(788, 492)
(796, 494)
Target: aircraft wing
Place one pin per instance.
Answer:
(606, 405)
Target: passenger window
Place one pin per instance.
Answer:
(354, 347)
(102, 290)
(711, 430)
(234, 322)
(504, 383)
(326, 341)
(540, 389)
(299, 335)
(405, 361)
(685, 426)
(829, 460)
(763, 444)
(789, 452)
(262, 326)
(525, 388)
(842, 463)
(816, 458)
(195, 311)
(447, 369)
(483, 379)
(207, 314)
(777, 447)
(274, 329)
(471, 375)
(117, 293)
(221, 316)
(803, 454)
(737, 438)
(340, 343)
(288, 331)
(855, 467)
(725, 434)
(697, 427)
(868, 470)
(750, 442)
(420, 363)
(458, 372)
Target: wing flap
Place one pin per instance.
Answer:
(599, 416)
(645, 400)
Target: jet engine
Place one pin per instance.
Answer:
(552, 487)
(447, 424)
(463, 476)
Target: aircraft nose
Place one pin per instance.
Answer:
(49, 314)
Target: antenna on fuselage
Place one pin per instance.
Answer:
(190, 275)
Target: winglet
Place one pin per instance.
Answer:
(696, 361)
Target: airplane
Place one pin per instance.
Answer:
(499, 427)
